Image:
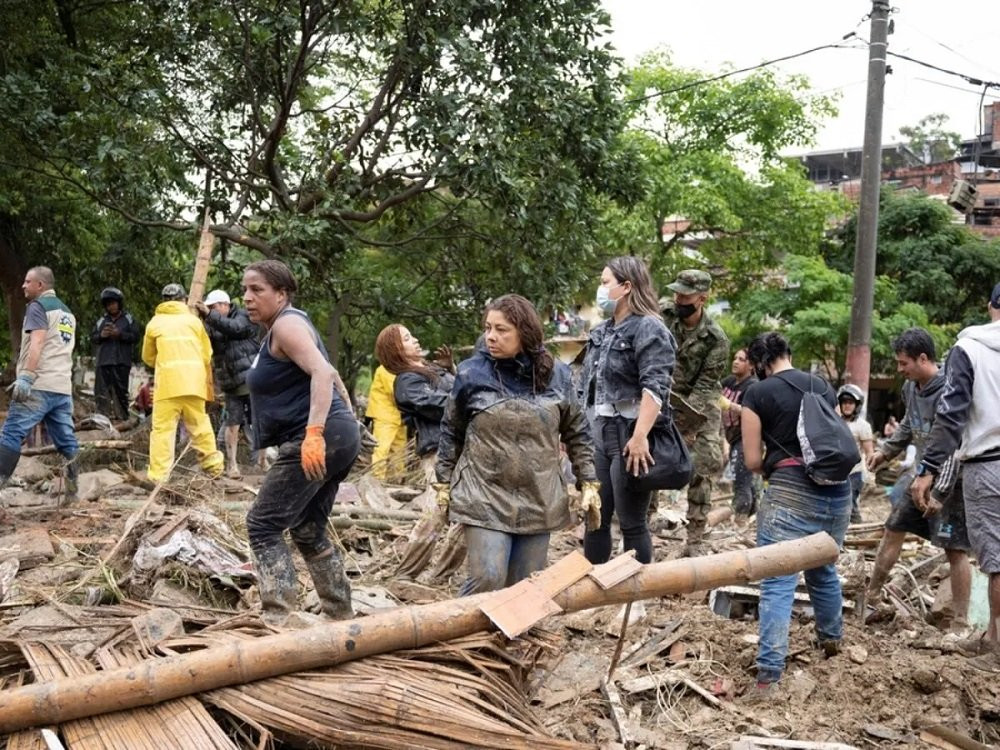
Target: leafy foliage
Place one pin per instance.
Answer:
(929, 139)
(812, 305)
(937, 264)
(710, 154)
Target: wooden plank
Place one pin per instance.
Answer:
(618, 717)
(661, 641)
(942, 736)
(516, 609)
(615, 571)
(752, 742)
(563, 574)
(672, 676)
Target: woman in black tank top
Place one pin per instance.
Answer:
(299, 404)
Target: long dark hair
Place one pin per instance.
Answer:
(524, 317)
(389, 353)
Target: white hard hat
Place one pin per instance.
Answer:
(216, 296)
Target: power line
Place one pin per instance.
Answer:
(951, 86)
(766, 63)
(967, 78)
(973, 80)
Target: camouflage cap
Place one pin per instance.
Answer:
(173, 292)
(691, 282)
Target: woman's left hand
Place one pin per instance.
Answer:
(638, 459)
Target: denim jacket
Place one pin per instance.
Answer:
(625, 359)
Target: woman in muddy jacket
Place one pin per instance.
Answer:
(498, 461)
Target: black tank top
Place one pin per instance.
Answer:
(280, 393)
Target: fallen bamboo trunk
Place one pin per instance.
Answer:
(244, 661)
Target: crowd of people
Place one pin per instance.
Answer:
(495, 433)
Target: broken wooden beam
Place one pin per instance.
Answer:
(248, 660)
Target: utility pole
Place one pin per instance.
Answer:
(859, 353)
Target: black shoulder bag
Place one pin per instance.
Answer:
(672, 469)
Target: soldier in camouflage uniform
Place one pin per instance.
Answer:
(702, 361)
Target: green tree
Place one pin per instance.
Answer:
(711, 158)
(942, 266)
(811, 304)
(317, 131)
(929, 139)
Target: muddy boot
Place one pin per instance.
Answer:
(695, 546)
(332, 586)
(70, 482)
(8, 460)
(277, 583)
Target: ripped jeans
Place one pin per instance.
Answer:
(498, 558)
(794, 507)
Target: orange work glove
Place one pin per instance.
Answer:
(313, 453)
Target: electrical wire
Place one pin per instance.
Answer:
(766, 63)
(967, 78)
(702, 81)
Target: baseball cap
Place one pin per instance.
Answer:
(995, 297)
(691, 281)
(173, 291)
(215, 297)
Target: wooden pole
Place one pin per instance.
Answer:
(202, 262)
(243, 661)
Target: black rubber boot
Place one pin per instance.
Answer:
(8, 461)
(277, 583)
(332, 586)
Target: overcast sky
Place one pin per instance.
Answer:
(708, 36)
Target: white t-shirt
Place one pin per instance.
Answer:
(861, 431)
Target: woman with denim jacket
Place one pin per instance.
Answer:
(498, 465)
(626, 381)
(793, 505)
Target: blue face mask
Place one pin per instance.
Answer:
(604, 301)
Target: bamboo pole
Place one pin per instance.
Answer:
(202, 262)
(243, 661)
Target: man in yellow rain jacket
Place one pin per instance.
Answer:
(179, 350)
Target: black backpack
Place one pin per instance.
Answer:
(829, 451)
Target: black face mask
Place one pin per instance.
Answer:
(759, 372)
(686, 311)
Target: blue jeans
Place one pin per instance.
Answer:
(54, 410)
(794, 507)
(498, 558)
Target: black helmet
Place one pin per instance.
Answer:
(110, 293)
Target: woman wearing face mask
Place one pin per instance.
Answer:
(626, 377)
(498, 465)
